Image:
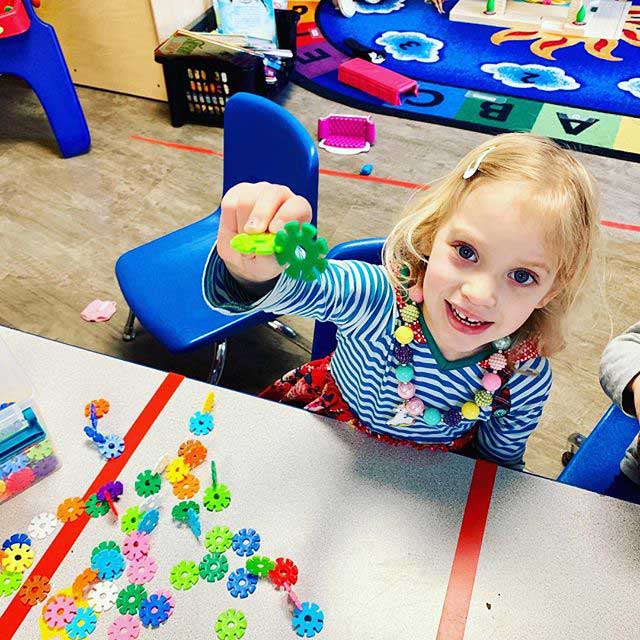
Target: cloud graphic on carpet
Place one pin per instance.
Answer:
(410, 45)
(383, 6)
(632, 86)
(531, 76)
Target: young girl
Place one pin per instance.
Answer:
(444, 346)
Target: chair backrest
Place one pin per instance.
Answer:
(263, 141)
(367, 250)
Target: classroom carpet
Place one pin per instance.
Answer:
(583, 92)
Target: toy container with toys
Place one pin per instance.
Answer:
(26, 452)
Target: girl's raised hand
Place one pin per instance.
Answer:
(256, 208)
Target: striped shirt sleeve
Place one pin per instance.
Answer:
(503, 440)
(347, 293)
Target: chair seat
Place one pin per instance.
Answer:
(596, 464)
(150, 276)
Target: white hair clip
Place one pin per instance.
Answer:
(472, 168)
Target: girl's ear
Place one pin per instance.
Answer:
(415, 292)
(548, 298)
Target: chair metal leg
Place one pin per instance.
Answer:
(283, 329)
(129, 332)
(217, 362)
(575, 441)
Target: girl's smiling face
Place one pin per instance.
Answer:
(490, 266)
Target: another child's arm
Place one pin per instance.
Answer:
(620, 371)
(503, 440)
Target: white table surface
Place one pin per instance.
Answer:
(372, 528)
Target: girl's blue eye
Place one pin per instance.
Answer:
(466, 252)
(522, 277)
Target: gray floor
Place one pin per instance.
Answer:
(65, 222)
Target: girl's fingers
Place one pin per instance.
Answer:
(268, 201)
(294, 208)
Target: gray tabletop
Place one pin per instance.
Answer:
(373, 529)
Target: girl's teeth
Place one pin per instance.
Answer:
(464, 318)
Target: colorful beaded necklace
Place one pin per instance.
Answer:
(499, 367)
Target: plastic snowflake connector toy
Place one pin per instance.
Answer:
(201, 424)
(213, 566)
(112, 447)
(34, 590)
(246, 542)
(262, 244)
(176, 470)
(231, 625)
(149, 521)
(285, 570)
(147, 483)
(17, 558)
(260, 566)
(218, 539)
(96, 508)
(70, 509)
(184, 575)
(194, 523)
(9, 582)
(308, 621)
(193, 452)
(217, 498)
(135, 545)
(59, 611)
(83, 624)
(241, 584)
(17, 538)
(102, 596)
(131, 519)
(106, 544)
(154, 610)
(108, 563)
(42, 525)
(114, 489)
(124, 627)
(296, 246)
(180, 511)
(129, 599)
(142, 570)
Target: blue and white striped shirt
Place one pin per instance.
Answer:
(360, 300)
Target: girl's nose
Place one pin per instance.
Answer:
(480, 291)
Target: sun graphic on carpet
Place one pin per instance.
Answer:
(546, 44)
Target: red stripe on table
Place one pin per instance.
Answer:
(356, 176)
(453, 620)
(51, 559)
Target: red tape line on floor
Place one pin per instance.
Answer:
(51, 559)
(355, 176)
(453, 619)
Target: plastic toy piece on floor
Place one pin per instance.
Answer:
(285, 570)
(241, 584)
(34, 590)
(376, 81)
(170, 599)
(366, 169)
(246, 542)
(96, 508)
(124, 627)
(297, 246)
(176, 470)
(193, 452)
(292, 596)
(184, 575)
(83, 624)
(346, 134)
(187, 487)
(114, 489)
(111, 545)
(42, 525)
(231, 625)
(94, 435)
(98, 311)
(308, 621)
(129, 599)
(109, 564)
(259, 243)
(209, 401)
(260, 566)
(83, 581)
(213, 566)
(217, 498)
(131, 519)
(180, 511)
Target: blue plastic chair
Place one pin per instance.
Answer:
(367, 250)
(595, 466)
(162, 280)
(36, 57)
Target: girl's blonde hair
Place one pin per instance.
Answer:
(557, 188)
